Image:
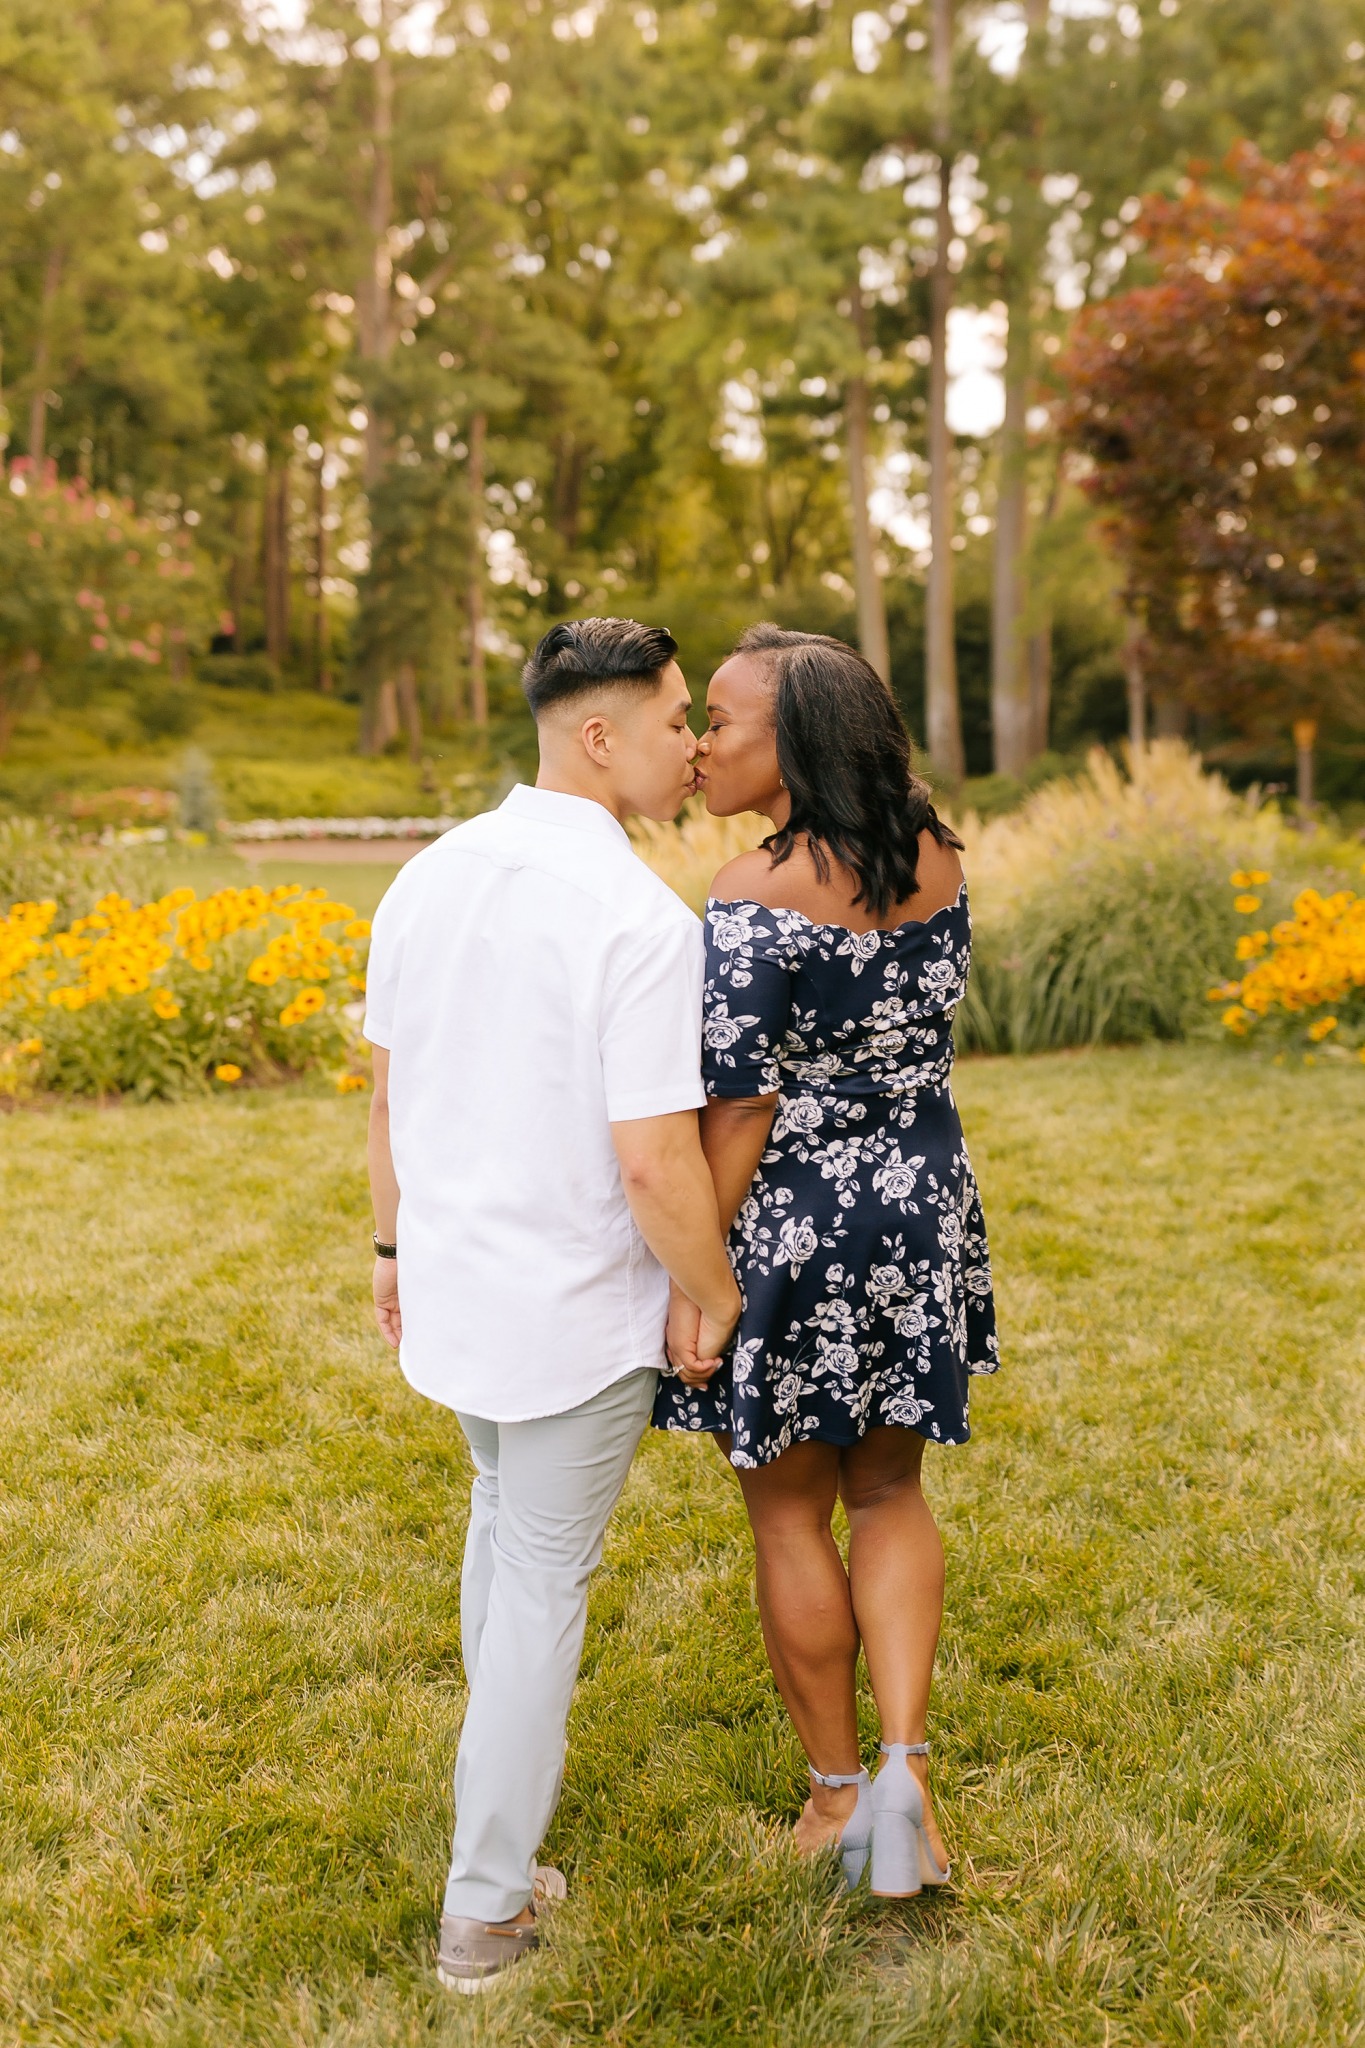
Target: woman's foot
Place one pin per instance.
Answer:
(918, 1766)
(824, 1817)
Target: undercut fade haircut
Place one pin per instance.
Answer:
(584, 655)
(844, 755)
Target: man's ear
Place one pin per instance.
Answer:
(597, 734)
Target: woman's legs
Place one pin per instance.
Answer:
(895, 1565)
(807, 1616)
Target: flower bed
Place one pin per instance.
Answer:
(181, 993)
(336, 828)
(1304, 984)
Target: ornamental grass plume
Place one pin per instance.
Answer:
(687, 854)
(1100, 906)
(155, 998)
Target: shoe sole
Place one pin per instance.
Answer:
(471, 1987)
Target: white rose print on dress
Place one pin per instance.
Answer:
(861, 1257)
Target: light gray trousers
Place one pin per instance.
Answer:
(543, 1492)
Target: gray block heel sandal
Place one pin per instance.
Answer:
(855, 1842)
(902, 1861)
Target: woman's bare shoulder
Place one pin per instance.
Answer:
(748, 878)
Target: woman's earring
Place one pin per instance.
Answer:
(780, 783)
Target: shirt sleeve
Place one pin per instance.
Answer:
(650, 1025)
(747, 1000)
(381, 976)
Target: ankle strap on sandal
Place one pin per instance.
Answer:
(905, 1749)
(833, 1779)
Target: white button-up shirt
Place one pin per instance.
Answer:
(534, 983)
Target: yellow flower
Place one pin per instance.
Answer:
(227, 1072)
(263, 971)
(1252, 943)
(165, 1004)
(351, 1084)
(1240, 879)
(1235, 1019)
(29, 1048)
(1244, 905)
(1258, 877)
(306, 1003)
(358, 928)
(1317, 1032)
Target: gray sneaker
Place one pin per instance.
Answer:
(474, 1953)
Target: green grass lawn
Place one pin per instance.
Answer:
(231, 1686)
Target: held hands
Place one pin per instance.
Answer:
(387, 1313)
(694, 1341)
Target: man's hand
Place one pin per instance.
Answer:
(694, 1342)
(387, 1313)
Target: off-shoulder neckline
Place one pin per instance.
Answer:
(890, 931)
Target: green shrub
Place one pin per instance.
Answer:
(164, 709)
(1101, 908)
(239, 671)
(40, 861)
(1119, 946)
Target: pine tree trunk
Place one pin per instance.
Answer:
(1305, 742)
(275, 562)
(1135, 681)
(1012, 723)
(872, 634)
(374, 301)
(942, 712)
(1040, 689)
(478, 671)
(375, 336)
(240, 572)
(37, 404)
(383, 723)
(410, 708)
(322, 652)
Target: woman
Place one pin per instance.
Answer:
(836, 955)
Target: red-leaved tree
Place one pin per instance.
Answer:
(1221, 412)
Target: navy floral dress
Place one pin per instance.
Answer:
(860, 1247)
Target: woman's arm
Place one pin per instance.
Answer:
(734, 1132)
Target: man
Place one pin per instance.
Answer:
(534, 1001)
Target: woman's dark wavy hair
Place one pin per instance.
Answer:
(844, 754)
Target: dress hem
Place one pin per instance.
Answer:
(817, 1436)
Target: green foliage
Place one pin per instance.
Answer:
(1101, 908)
(233, 1691)
(40, 862)
(1117, 943)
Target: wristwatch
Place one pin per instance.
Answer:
(384, 1251)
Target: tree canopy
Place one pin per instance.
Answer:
(427, 322)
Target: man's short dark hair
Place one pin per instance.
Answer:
(595, 654)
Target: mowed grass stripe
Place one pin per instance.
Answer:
(231, 1686)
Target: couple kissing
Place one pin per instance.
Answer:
(630, 1170)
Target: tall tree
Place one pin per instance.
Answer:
(942, 712)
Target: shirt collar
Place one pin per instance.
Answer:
(553, 807)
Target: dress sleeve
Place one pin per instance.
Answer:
(747, 1001)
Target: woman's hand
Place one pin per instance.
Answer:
(688, 1331)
